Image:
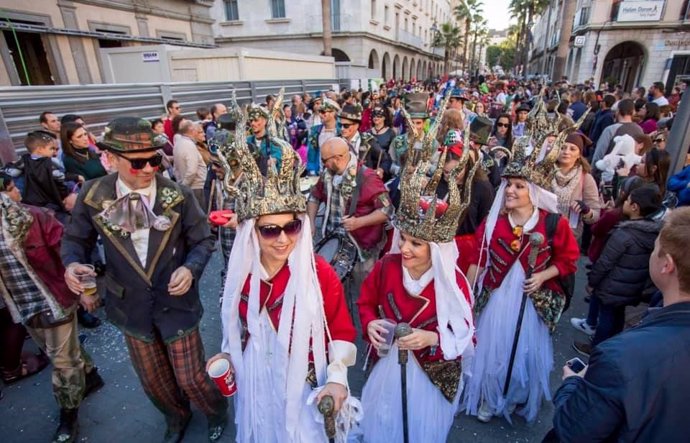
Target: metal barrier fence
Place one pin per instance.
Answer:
(21, 106)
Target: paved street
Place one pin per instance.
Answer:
(120, 412)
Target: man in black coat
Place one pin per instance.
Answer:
(636, 386)
(157, 244)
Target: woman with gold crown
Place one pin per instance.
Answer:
(519, 298)
(417, 285)
(286, 328)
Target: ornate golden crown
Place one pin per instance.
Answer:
(526, 166)
(417, 214)
(256, 195)
(540, 125)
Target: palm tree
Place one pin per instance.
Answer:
(326, 23)
(483, 44)
(479, 32)
(448, 37)
(518, 9)
(464, 12)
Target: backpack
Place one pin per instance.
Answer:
(568, 282)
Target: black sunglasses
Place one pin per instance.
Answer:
(502, 125)
(140, 163)
(659, 140)
(347, 125)
(271, 232)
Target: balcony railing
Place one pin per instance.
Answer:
(410, 39)
(439, 52)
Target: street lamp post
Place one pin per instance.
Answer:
(434, 41)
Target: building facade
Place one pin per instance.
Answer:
(57, 42)
(370, 38)
(629, 42)
(545, 35)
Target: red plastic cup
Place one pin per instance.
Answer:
(221, 217)
(221, 373)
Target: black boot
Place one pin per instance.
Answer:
(86, 319)
(176, 434)
(94, 382)
(68, 428)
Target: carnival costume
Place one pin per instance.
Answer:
(439, 301)
(411, 141)
(503, 256)
(363, 144)
(148, 234)
(267, 148)
(289, 335)
(318, 135)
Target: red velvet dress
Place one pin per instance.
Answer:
(433, 383)
(497, 309)
(337, 316)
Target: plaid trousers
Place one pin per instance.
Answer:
(174, 373)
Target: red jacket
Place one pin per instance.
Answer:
(383, 290)
(365, 124)
(168, 128)
(271, 298)
(563, 252)
(373, 196)
(42, 248)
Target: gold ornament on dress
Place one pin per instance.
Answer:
(255, 195)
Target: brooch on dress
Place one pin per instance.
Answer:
(516, 244)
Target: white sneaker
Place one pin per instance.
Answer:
(581, 325)
(484, 414)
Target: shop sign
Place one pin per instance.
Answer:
(150, 56)
(640, 11)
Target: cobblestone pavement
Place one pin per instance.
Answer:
(120, 412)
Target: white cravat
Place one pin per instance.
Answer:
(140, 237)
(415, 287)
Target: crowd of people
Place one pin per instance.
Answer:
(449, 216)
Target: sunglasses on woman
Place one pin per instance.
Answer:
(271, 232)
(502, 125)
(140, 163)
(659, 140)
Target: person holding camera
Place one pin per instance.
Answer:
(635, 388)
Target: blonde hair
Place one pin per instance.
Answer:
(673, 240)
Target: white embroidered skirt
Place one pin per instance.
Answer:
(533, 361)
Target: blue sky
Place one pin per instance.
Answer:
(496, 12)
